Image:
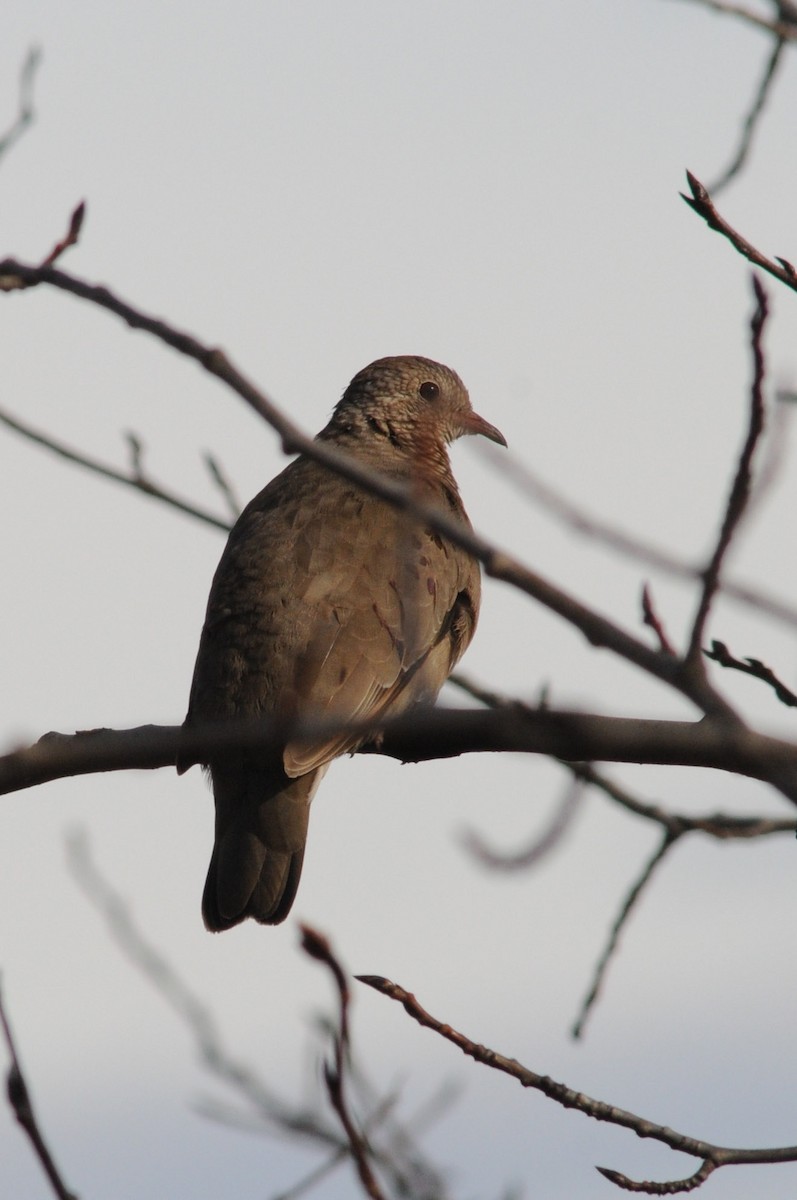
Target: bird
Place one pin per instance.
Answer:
(329, 602)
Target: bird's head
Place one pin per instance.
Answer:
(412, 404)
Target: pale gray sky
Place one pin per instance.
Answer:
(311, 187)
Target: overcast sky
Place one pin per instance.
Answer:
(312, 186)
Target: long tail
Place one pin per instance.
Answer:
(261, 830)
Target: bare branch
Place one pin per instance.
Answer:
(318, 947)
(588, 525)
(783, 28)
(740, 491)
(22, 1107)
(265, 1109)
(71, 236)
(667, 842)
(541, 846)
(750, 123)
(417, 737)
(720, 653)
(25, 113)
(597, 1109)
(222, 482)
(136, 479)
(653, 621)
(703, 205)
(722, 826)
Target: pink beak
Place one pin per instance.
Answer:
(473, 423)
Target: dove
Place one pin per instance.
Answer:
(328, 602)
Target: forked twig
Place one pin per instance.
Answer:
(136, 479)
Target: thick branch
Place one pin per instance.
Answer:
(430, 734)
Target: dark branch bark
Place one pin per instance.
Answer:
(432, 734)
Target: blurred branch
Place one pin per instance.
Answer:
(652, 619)
(22, 1107)
(783, 28)
(25, 112)
(136, 479)
(722, 826)
(740, 490)
(712, 1156)
(317, 946)
(542, 844)
(396, 1154)
(720, 653)
(222, 482)
(71, 236)
(418, 737)
(700, 201)
(584, 522)
(750, 123)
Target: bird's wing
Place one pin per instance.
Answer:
(393, 607)
(328, 602)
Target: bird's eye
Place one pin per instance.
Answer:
(429, 390)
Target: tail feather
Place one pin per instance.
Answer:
(261, 830)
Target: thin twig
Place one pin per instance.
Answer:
(750, 122)
(584, 522)
(400, 1160)
(71, 236)
(783, 28)
(317, 946)
(25, 112)
(542, 844)
(597, 1109)
(720, 653)
(613, 942)
(723, 826)
(22, 1107)
(136, 479)
(700, 201)
(740, 491)
(222, 482)
(652, 619)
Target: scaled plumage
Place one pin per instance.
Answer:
(329, 602)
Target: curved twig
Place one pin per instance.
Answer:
(599, 1110)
